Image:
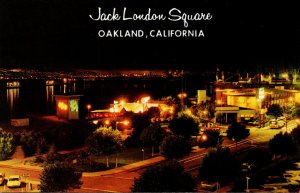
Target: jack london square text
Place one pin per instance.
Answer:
(174, 15)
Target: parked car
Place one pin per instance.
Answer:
(275, 179)
(274, 124)
(271, 189)
(14, 181)
(255, 122)
(208, 185)
(288, 176)
(2, 178)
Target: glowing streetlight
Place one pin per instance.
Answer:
(143, 152)
(95, 122)
(125, 122)
(88, 106)
(205, 138)
(122, 102)
(182, 96)
(106, 122)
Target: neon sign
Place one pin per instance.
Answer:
(62, 106)
(73, 105)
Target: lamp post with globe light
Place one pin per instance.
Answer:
(89, 107)
(204, 138)
(125, 122)
(182, 96)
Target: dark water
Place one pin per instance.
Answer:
(35, 97)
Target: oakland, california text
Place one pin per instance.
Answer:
(174, 14)
(150, 34)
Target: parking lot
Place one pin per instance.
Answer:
(4, 188)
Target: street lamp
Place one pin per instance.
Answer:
(287, 106)
(107, 122)
(205, 137)
(143, 152)
(125, 122)
(88, 106)
(247, 184)
(182, 96)
(26, 176)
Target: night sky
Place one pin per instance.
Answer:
(59, 34)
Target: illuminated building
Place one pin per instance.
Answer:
(119, 108)
(67, 106)
(251, 103)
(201, 96)
(13, 84)
(50, 82)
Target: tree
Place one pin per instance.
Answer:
(275, 110)
(296, 134)
(283, 144)
(168, 177)
(139, 123)
(105, 141)
(33, 142)
(6, 144)
(175, 146)
(237, 132)
(258, 157)
(219, 165)
(185, 126)
(69, 135)
(296, 112)
(153, 135)
(59, 177)
(210, 138)
(153, 112)
(204, 110)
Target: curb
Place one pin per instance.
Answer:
(129, 167)
(29, 168)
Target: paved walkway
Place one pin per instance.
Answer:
(20, 163)
(129, 167)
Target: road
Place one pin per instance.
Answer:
(191, 163)
(122, 182)
(9, 170)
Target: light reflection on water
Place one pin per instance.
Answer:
(12, 98)
(38, 97)
(50, 94)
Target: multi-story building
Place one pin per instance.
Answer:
(246, 104)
